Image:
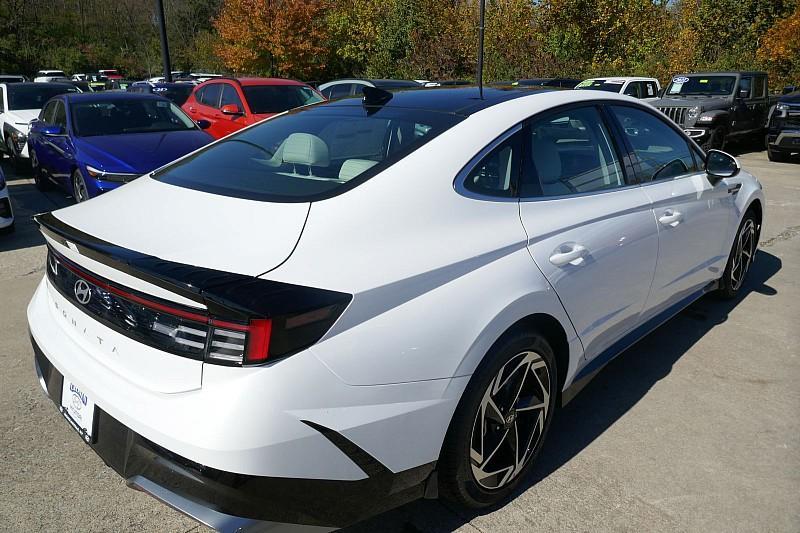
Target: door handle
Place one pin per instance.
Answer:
(671, 218)
(572, 254)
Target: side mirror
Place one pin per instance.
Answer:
(203, 124)
(744, 94)
(50, 130)
(231, 109)
(720, 165)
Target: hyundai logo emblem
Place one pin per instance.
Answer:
(83, 292)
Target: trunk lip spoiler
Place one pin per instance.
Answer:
(220, 292)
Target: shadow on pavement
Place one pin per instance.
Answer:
(615, 390)
(26, 201)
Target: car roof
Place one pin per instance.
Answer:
(723, 73)
(104, 96)
(43, 84)
(460, 100)
(246, 82)
(622, 79)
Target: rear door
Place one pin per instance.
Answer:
(590, 227)
(692, 214)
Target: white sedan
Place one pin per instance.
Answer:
(367, 301)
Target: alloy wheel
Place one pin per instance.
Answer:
(79, 190)
(510, 421)
(743, 253)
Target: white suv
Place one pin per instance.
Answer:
(20, 103)
(371, 300)
(641, 88)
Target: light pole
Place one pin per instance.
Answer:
(480, 47)
(162, 24)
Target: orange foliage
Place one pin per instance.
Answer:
(275, 37)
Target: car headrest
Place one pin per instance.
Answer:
(305, 149)
(353, 167)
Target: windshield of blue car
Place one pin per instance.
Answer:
(707, 85)
(307, 154)
(25, 96)
(600, 85)
(263, 99)
(118, 116)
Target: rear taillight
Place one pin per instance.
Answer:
(248, 322)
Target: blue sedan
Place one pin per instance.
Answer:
(88, 143)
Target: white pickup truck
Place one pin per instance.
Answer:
(642, 88)
(20, 103)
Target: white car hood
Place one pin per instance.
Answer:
(20, 119)
(191, 227)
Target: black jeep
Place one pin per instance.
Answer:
(713, 107)
(783, 128)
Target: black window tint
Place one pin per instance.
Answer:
(496, 174)
(308, 154)
(60, 116)
(570, 152)
(46, 114)
(230, 96)
(662, 152)
(339, 91)
(633, 89)
(745, 84)
(2, 99)
(210, 95)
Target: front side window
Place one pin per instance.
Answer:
(60, 115)
(634, 89)
(496, 174)
(307, 154)
(570, 153)
(745, 87)
(661, 152)
(118, 116)
(210, 94)
(46, 114)
(263, 99)
(230, 96)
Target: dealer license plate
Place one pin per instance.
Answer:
(78, 409)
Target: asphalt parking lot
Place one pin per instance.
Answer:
(697, 428)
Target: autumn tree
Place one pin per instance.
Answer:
(273, 37)
(780, 49)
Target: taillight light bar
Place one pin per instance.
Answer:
(250, 339)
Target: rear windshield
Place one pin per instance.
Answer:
(178, 93)
(600, 85)
(308, 154)
(118, 116)
(35, 96)
(278, 98)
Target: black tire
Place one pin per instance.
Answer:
(40, 181)
(458, 482)
(78, 194)
(716, 140)
(8, 229)
(776, 155)
(741, 257)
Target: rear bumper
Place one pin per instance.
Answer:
(228, 501)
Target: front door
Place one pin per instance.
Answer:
(590, 230)
(691, 213)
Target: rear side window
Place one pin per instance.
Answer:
(210, 94)
(570, 152)
(661, 152)
(339, 91)
(264, 99)
(497, 173)
(307, 154)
